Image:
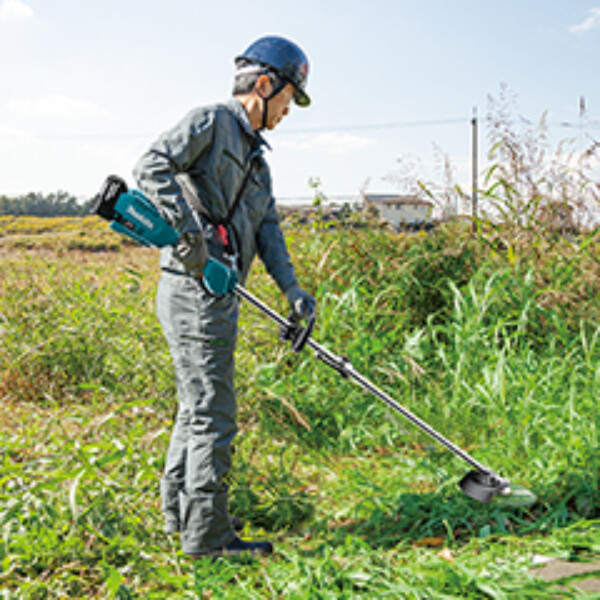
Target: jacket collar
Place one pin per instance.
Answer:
(238, 110)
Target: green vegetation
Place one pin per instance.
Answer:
(493, 338)
(497, 349)
(59, 234)
(44, 205)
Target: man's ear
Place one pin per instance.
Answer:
(263, 86)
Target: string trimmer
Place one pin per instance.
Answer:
(132, 214)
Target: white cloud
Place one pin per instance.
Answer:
(78, 168)
(592, 21)
(332, 142)
(9, 132)
(55, 106)
(13, 10)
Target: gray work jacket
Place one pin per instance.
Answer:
(211, 147)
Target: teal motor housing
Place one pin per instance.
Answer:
(140, 219)
(132, 214)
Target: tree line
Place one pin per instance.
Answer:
(58, 204)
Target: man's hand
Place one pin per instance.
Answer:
(218, 279)
(191, 251)
(302, 303)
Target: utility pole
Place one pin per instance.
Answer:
(582, 110)
(474, 168)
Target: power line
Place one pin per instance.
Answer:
(586, 125)
(583, 125)
(81, 136)
(289, 131)
(365, 127)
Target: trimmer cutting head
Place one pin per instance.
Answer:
(487, 486)
(483, 485)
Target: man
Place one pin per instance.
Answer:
(213, 184)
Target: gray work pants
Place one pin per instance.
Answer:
(201, 332)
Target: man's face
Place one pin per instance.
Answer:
(279, 106)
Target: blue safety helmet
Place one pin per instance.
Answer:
(283, 57)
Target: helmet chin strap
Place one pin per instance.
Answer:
(265, 112)
(266, 99)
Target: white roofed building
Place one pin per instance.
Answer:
(401, 210)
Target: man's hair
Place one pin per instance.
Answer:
(248, 73)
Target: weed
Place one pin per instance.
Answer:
(494, 341)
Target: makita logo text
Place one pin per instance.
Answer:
(141, 218)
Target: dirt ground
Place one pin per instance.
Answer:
(573, 573)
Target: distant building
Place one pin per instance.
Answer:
(401, 210)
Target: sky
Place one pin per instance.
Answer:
(86, 87)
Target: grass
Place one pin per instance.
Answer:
(493, 347)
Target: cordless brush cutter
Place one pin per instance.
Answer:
(132, 214)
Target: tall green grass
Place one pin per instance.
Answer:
(473, 338)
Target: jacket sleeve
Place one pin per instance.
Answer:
(273, 251)
(156, 171)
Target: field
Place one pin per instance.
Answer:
(493, 339)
